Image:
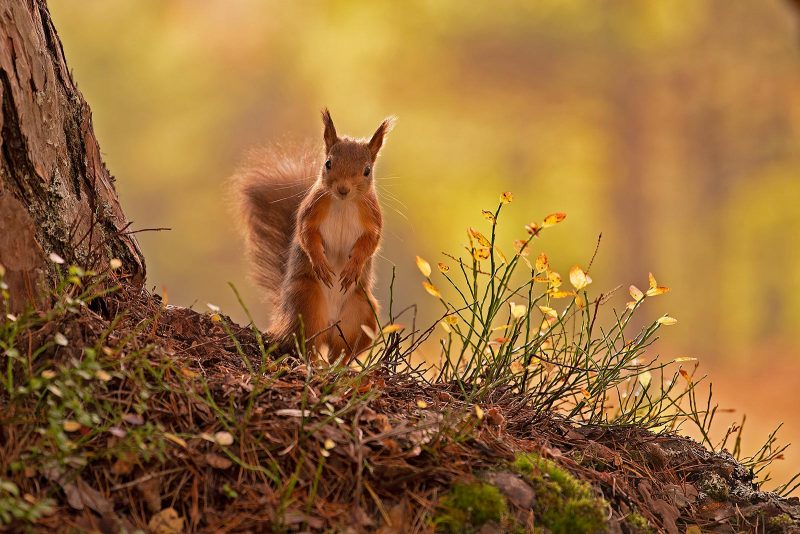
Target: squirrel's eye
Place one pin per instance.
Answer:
(328, 164)
(366, 171)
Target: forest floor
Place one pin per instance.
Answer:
(120, 413)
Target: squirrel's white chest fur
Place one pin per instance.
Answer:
(340, 229)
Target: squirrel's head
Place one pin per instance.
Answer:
(349, 163)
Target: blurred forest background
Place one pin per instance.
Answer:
(672, 128)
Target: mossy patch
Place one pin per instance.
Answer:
(780, 524)
(466, 507)
(564, 504)
(638, 523)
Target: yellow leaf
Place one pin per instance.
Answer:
(548, 311)
(578, 278)
(655, 291)
(561, 294)
(391, 328)
(666, 320)
(553, 219)
(586, 393)
(652, 280)
(421, 404)
(517, 368)
(480, 253)
(452, 319)
(554, 279)
(518, 311)
(506, 197)
(215, 318)
(636, 293)
(424, 267)
(541, 263)
(479, 237)
(630, 305)
(71, 426)
(329, 444)
(533, 228)
(431, 289)
(443, 267)
(478, 412)
(488, 215)
(48, 374)
(115, 263)
(175, 439)
(684, 359)
(446, 327)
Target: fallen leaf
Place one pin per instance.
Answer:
(115, 263)
(223, 438)
(71, 426)
(167, 521)
(292, 412)
(175, 439)
(61, 339)
(217, 462)
(133, 418)
(421, 404)
(479, 412)
(494, 417)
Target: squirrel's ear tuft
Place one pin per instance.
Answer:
(377, 138)
(330, 130)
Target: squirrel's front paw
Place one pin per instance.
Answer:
(323, 272)
(350, 275)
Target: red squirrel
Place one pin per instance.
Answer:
(312, 225)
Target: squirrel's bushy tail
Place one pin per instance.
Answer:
(268, 190)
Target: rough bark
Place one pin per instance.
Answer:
(56, 194)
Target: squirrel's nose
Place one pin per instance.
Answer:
(343, 190)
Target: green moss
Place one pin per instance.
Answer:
(779, 524)
(638, 523)
(715, 487)
(564, 504)
(467, 507)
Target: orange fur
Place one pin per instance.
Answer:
(319, 269)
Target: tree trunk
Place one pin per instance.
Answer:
(56, 195)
